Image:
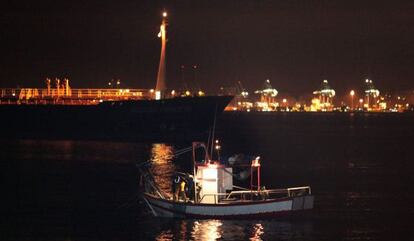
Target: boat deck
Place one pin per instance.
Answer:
(70, 96)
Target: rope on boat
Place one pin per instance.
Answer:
(148, 179)
(182, 151)
(241, 188)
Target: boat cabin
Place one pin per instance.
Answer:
(215, 181)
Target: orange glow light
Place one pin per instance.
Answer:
(212, 165)
(256, 162)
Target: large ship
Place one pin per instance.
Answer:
(60, 112)
(182, 118)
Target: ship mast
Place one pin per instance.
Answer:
(160, 87)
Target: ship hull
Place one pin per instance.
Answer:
(238, 210)
(185, 118)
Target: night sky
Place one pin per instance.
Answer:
(296, 44)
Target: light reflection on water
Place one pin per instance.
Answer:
(253, 230)
(162, 165)
(257, 232)
(208, 230)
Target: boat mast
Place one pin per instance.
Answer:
(196, 145)
(214, 130)
(161, 86)
(194, 175)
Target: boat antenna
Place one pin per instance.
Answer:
(194, 175)
(209, 138)
(214, 129)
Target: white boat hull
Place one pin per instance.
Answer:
(242, 209)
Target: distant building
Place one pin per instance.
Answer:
(397, 101)
(323, 100)
(371, 95)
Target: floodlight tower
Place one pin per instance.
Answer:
(371, 93)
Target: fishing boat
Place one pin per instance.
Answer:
(213, 194)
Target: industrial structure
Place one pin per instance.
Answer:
(267, 95)
(324, 98)
(371, 95)
(366, 99)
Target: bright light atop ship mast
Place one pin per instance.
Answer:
(161, 86)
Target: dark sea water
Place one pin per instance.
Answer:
(360, 167)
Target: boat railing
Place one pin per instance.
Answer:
(248, 195)
(299, 191)
(269, 193)
(255, 194)
(215, 195)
